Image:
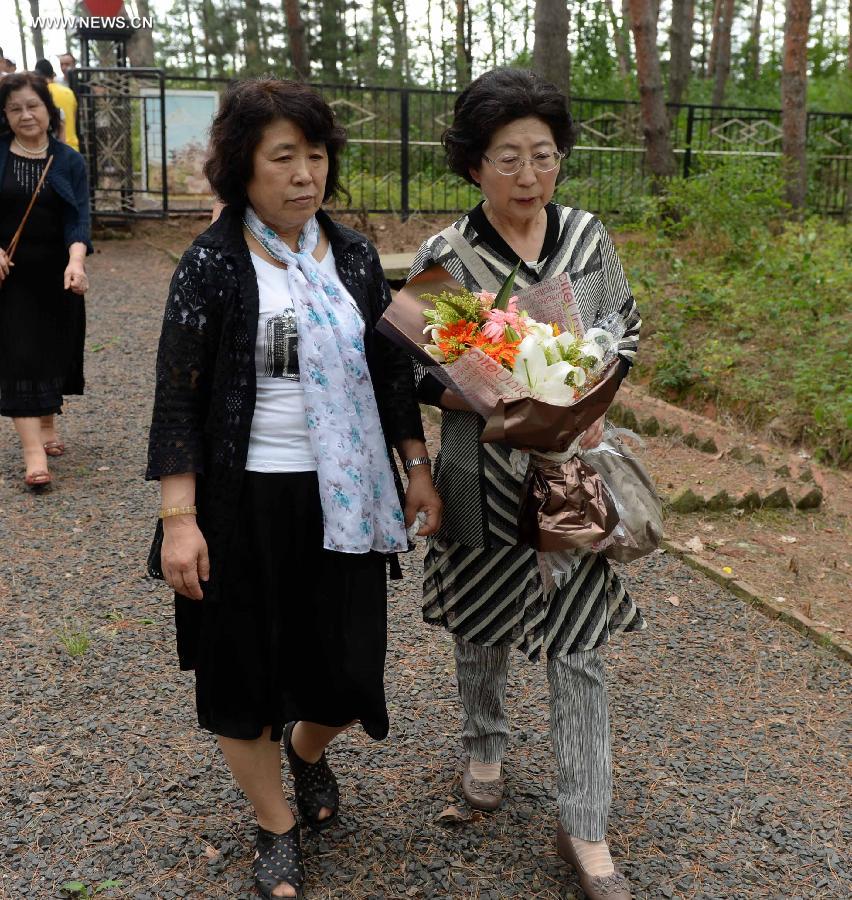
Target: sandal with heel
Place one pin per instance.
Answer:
(38, 481)
(54, 448)
(315, 785)
(278, 860)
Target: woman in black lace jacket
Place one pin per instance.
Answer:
(276, 407)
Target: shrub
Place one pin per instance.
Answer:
(726, 206)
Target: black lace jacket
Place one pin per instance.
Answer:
(206, 379)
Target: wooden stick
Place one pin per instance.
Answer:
(10, 252)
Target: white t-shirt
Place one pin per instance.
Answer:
(279, 439)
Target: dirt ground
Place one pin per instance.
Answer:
(795, 558)
(728, 729)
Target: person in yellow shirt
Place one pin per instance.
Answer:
(65, 101)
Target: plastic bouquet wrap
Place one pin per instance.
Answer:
(540, 379)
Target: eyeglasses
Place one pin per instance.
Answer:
(511, 164)
(14, 111)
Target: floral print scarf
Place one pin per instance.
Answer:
(359, 501)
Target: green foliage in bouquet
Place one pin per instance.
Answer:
(450, 307)
(572, 354)
(505, 293)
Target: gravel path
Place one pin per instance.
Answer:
(730, 733)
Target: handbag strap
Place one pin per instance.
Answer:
(471, 260)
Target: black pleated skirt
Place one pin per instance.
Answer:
(300, 632)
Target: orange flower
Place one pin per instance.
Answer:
(455, 338)
(503, 352)
(556, 330)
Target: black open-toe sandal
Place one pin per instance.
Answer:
(278, 860)
(315, 785)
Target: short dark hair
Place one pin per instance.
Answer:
(68, 53)
(247, 108)
(44, 67)
(495, 99)
(17, 82)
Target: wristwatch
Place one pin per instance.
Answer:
(409, 464)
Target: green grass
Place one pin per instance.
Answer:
(752, 314)
(74, 639)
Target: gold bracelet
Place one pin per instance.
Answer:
(178, 511)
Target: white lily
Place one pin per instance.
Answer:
(435, 352)
(579, 375)
(530, 362)
(566, 340)
(547, 381)
(539, 330)
(551, 386)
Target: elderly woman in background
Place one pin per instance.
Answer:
(42, 311)
(510, 133)
(276, 406)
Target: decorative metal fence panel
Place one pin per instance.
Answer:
(123, 139)
(394, 161)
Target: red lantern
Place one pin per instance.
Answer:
(104, 7)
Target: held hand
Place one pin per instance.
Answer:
(5, 265)
(422, 496)
(452, 400)
(76, 278)
(184, 556)
(593, 435)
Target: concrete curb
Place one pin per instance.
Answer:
(772, 610)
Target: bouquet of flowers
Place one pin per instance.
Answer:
(526, 363)
(556, 364)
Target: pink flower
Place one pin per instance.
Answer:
(497, 320)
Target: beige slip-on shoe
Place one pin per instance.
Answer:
(484, 795)
(596, 887)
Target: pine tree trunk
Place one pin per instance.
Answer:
(703, 38)
(38, 37)
(398, 37)
(328, 40)
(251, 39)
(406, 55)
(794, 84)
(627, 31)
(723, 59)
(754, 61)
(680, 38)
(655, 121)
(849, 40)
(492, 32)
(299, 58)
(140, 48)
(551, 59)
(207, 37)
(21, 34)
(714, 40)
(621, 52)
(190, 33)
(463, 69)
(433, 56)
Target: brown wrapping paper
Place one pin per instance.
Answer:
(565, 505)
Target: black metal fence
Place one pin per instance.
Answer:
(394, 161)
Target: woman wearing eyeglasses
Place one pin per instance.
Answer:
(510, 133)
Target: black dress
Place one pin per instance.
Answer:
(42, 326)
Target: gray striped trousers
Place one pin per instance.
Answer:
(579, 727)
